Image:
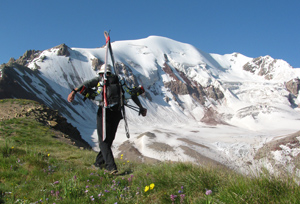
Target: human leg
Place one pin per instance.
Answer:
(106, 153)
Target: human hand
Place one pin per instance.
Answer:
(143, 111)
(71, 96)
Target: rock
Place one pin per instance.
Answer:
(96, 64)
(262, 66)
(63, 50)
(293, 86)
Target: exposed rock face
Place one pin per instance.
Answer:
(96, 64)
(63, 50)
(265, 66)
(293, 86)
(255, 110)
(213, 92)
(196, 90)
(169, 71)
(131, 79)
(177, 87)
(27, 57)
(262, 66)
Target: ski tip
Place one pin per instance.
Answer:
(106, 34)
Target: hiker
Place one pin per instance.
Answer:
(105, 158)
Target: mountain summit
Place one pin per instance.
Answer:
(199, 104)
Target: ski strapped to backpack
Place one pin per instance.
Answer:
(109, 48)
(104, 93)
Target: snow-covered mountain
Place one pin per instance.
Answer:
(201, 106)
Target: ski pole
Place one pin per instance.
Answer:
(133, 107)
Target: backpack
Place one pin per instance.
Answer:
(113, 90)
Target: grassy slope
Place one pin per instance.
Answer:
(36, 167)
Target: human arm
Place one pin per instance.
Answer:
(71, 96)
(87, 84)
(133, 93)
(136, 100)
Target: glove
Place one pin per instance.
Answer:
(143, 111)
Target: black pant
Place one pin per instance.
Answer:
(105, 156)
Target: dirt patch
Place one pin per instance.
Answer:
(148, 134)
(192, 143)
(131, 153)
(201, 159)
(290, 140)
(212, 117)
(282, 154)
(161, 147)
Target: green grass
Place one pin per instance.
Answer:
(37, 168)
(18, 101)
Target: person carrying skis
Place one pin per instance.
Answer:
(105, 158)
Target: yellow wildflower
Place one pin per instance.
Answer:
(48, 155)
(152, 186)
(146, 188)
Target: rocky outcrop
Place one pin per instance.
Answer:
(168, 70)
(177, 87)
(185, 86)
(27, 57)
(293, 86)
(131, 79)
(262, 66)
(63, 50)
(214, 93)
(196, 90)
(96, 64)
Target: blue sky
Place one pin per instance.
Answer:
(253, 28)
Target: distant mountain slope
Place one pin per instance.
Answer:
(185, 87)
